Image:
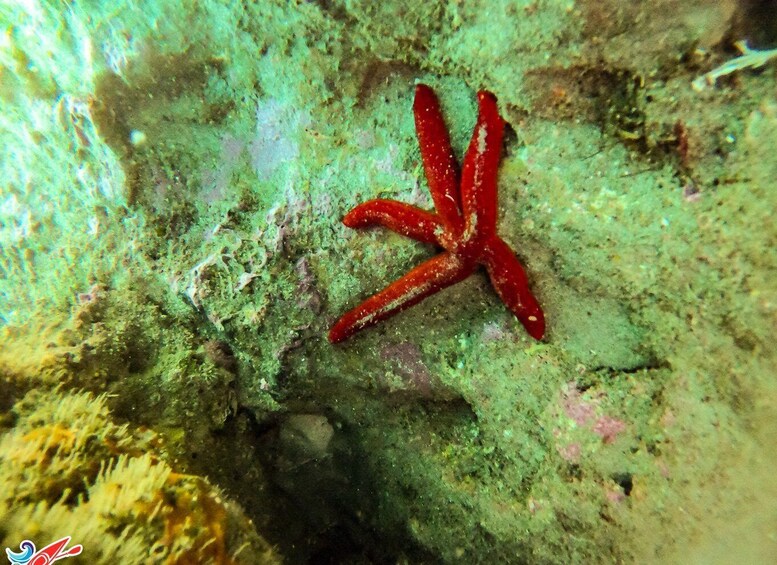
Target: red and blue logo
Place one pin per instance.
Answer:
(52, 552)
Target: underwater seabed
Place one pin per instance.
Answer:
(172, 258)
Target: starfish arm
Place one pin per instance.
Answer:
(509, 281)
(442, 171)
(427, 278)
(397, 216)
(479, 172)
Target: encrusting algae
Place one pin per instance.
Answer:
(174, 175)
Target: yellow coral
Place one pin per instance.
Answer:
(61, 475)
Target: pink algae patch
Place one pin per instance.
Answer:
(585, 413)
(570, 452)
(608, 428)
(575, 407)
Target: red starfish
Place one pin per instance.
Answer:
(464, 224)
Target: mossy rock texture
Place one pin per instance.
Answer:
(172, 183)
